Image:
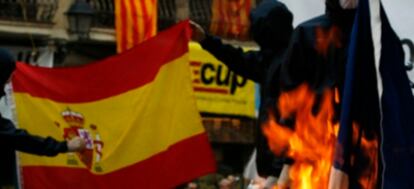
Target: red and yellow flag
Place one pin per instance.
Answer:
(136, 110)
(136, 21)
(230, 18)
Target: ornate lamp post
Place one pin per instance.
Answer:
(80, 16)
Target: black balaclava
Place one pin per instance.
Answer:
(7, 66)
(271, 25)
(338, 14)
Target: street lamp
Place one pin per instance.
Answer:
(80, 17)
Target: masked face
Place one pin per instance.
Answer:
(3, 88)
(348, 4)
(2, 92)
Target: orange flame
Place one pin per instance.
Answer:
(369, 149)
(327, 38)
(312, 142)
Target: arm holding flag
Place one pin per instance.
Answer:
(19, 139)
(271, 28)
(247, 64)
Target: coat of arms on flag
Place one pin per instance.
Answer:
(74, 126)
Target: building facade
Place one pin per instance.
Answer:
(38, 32)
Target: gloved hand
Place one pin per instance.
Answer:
(76, 144)
(198, 32)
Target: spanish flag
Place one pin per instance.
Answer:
(135, 22)
(136, 111)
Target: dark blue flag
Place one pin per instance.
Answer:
(375, 142)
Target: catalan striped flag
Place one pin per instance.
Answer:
(136, 111)
(136, 21)
(230, 18)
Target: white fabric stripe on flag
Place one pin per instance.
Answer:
(376, 32)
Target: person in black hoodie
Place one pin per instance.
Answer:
(317, 51)
(271, 28)
(12, 139)
(317, 55)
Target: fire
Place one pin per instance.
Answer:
(369, 149)
(312, 143)
(326, 38)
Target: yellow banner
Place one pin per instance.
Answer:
(219, 90)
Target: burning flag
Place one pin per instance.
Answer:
(367, 143)
(356, 162)
(136, 111)
(378, 97)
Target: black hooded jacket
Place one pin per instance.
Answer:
(18, 139)
(317, 51)
(271, 27)
(7, 66)
(316, 55)
(12, 139)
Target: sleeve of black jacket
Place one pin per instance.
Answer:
(246, 64)
(287, 73)
(21, 140)
(296, 68)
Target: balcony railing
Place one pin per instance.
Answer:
(43, 11)
(167, 12)
(40, 11)
(200, 12)
(105, 17)
(104, 13)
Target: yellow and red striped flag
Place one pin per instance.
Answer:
(230, 18)
(136, 110)
(136, 21)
